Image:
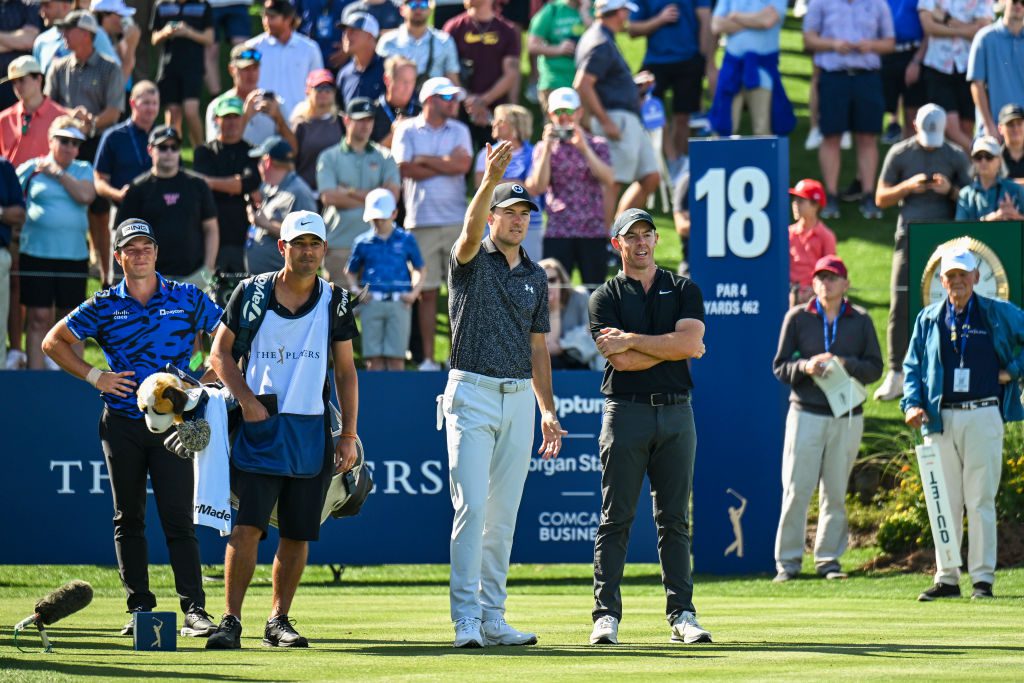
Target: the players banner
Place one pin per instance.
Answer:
(57, 480)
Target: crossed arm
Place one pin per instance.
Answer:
(628, 351)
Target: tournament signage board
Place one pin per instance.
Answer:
(998, 246)
(57, 477)
(739, 256)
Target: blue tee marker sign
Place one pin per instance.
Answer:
(739, 256)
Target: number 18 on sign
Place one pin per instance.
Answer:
(739, 255)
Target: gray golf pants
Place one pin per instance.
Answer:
(659, 442)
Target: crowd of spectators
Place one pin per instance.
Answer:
(337, 101)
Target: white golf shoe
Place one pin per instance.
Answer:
(467, 633)
(891, 388)
(685, 629)
(500, 632)
(606, 631)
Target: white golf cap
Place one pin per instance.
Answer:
(958, 258)
(602, 7)
(439, 85)
(563, 98)
(931, 125)
(986, 143)
(380, 203)
(69, 132)
(363, 21)
(113, 6)
(299, 223)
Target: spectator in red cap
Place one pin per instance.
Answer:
(315, 124)
(809, 239)
(822, 439)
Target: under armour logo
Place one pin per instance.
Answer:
(528, 288)
(171, 198)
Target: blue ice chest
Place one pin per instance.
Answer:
(156, 631)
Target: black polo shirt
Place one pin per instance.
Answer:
(622, 303)
(176, 208)
(493, 310)
(1014, 167)
(219, 160)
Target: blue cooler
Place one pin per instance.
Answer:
(156, 631)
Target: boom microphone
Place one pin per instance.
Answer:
(63, 602)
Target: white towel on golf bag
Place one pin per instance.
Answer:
(212, 472)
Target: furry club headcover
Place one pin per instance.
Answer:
(164, 399)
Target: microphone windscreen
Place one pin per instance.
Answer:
(64, 601)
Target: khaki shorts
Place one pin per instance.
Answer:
(435, 245)
(386, 327)
(632, 154)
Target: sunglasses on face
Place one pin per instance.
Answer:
(70, 142)
(984, 156)
(324, 87)
(167, 148)
(418, 4)
(447, 98)
(564, 112)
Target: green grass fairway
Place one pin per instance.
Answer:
(391, 623)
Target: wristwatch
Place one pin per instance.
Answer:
(59, 174)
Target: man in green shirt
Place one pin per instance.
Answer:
(554, 31)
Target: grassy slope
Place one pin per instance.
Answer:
(392, 622)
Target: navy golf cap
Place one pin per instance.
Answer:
(508, 194)
(628, 218)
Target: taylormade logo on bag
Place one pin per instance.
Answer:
(212, 512)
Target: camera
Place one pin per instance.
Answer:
(564, 133)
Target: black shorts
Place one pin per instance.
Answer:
(176, 87)
(299, 501)
(894, 84)
(952, 92)
(850, 102)
(47, 282)
(684, 79)
(589, 254)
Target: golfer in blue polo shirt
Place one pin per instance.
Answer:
(141, 325)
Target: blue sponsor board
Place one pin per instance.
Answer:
(56, 476)
(739, 255)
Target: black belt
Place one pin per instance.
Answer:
(853, 72)
(971, 405)
(907, 47)
(654, 399)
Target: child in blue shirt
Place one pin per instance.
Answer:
(387, 269)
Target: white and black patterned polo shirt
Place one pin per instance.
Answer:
(493, 310)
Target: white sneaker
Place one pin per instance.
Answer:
(892, 387)
(16, 360)
(500, 632)
(814, 139)
(800, 9)
(846, 142)
(685, 629)
(606, 631)
(467, 633)
(429, 365)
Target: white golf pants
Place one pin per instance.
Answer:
(971, 452)
(489, 425)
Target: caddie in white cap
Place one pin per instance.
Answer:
(962, 383)
(286, 327)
